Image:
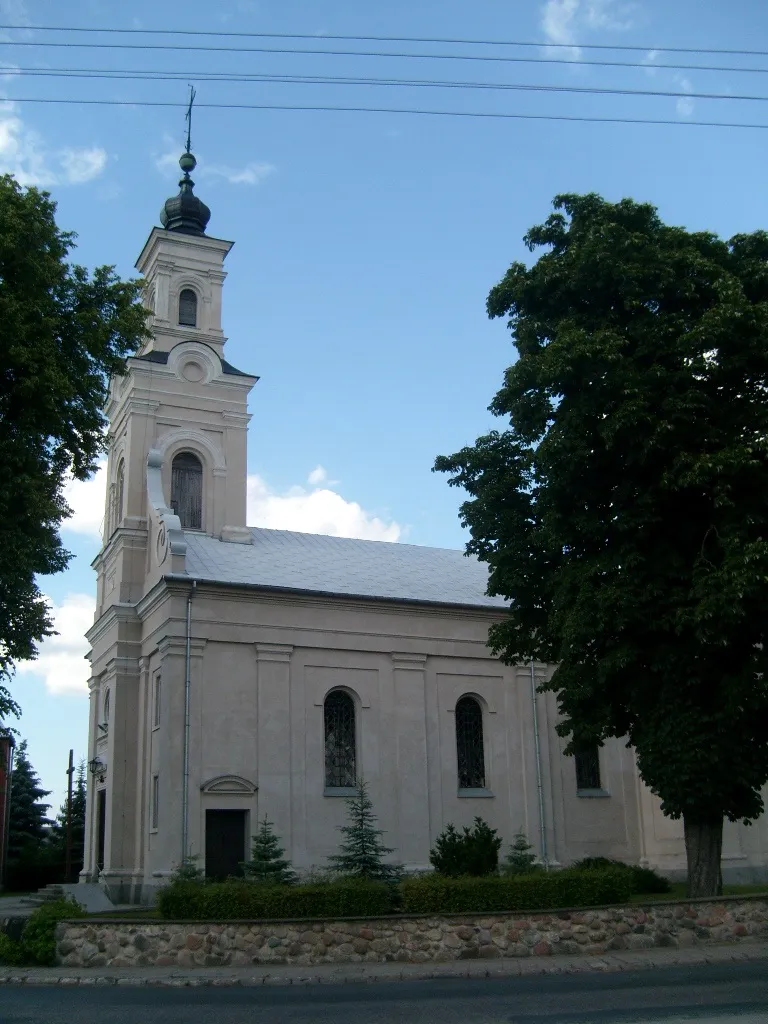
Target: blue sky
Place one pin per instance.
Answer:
(366, 243)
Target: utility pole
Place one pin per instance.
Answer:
(70, 773)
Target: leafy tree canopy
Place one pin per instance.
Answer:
(624, 510)
(63, 334)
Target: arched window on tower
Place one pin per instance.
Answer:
(470, 752)
(187, 490)
(188, 308)
(119, 493)
(339, 714)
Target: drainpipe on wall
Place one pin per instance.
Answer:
(187, 687)
(539, 785)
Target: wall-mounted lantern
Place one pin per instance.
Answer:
(97, 768)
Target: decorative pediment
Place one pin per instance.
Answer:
(233, 785)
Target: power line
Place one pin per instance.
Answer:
(408, 56)
(375, 53)
(397, 110)
(385, 39)
(260, 79)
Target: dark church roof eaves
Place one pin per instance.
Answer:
(161, 358)
(309, 563)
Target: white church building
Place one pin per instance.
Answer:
(238, 672)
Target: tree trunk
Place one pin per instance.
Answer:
(703, 848)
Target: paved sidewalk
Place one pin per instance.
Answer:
(342, 974)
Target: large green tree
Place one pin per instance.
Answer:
(623, 510)
(63, 333)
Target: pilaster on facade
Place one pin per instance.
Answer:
(280, 653)
(407, 662)
(171, 646)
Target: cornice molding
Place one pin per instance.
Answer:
(404, 662)
(115, 615)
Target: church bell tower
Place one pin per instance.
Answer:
(178, 418)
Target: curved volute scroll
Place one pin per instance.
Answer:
(170, 548)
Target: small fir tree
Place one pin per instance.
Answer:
(267, 864)
(27, 822)
(521, 859)
(362, 852)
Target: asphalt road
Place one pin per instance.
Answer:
(734, 993)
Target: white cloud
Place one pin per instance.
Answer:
(86, 498)
(684, 106)
(317, 510)
(61, 661)
(81, 165)
(251, 174)
(650, 59)
(24, 154)
(564, 21)
(317, 476)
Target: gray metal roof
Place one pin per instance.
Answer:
(281, 559)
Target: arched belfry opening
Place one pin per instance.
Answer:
(187, 490)
(187, 308)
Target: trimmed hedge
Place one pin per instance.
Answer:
(241, 900)
(433, 894)
(541, 891)
(645, 881)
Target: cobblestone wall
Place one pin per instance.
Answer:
(113, 943)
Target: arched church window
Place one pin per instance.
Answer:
(587, 761)
(188, 308)
(119, 493)
(470, 752)
(106, 706)
(339, 713)
(187, 490)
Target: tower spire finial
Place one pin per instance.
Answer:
(188, 118)
(185, 212)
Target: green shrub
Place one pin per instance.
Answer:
(539, 891)
(236, 899)
(11, 953)
(472, 851)
(38, 940)
(521, 860)
(645, 881)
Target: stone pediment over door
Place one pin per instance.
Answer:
(232, 785)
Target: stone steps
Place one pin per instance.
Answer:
(47, 894)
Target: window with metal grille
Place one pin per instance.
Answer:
(155, 809)
(188, 308)
(187, 490)
(588, 767)
(339, 714)
(470, 752)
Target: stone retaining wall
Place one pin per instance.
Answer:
(125, 943)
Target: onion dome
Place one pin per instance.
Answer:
(185, 213)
